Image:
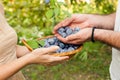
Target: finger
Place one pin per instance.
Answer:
(76, 42)
(57, 59)
(46, 50)
(51, 49)
(72, 37)
(61, 38)
(53, 60)
(65, 22)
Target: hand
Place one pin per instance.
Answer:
(88, 21)
(79, 20)
(78, 38)
(21, 51)
(43, 56)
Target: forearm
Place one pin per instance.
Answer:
(105, 21)
(9, 69)
(1, 9)
(108, 36)
(21, 51)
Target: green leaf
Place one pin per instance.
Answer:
(57, 11)
(52, 2)
(33, 44)
(67, 13)
(49, 13)
(41, 42)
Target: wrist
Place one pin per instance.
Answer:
(110, 21)
(104, 21)
(99, 21)
(97, 34)
(32, 59)
(29, 58)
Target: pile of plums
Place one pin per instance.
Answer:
(63, 47)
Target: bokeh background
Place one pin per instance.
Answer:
(36, 18)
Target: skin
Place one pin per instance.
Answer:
(38, 56)
(1, 9)
(21, 51)
(104, 29)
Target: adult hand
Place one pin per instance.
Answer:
(85, 21)
(88, 21)
(78, 38)
(76, 20)
(79, 20)
(43, 56)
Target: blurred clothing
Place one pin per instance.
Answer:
(8, 42)
(115, 63)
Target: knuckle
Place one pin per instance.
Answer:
(51, 60)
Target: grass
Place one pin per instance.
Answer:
(96, 67)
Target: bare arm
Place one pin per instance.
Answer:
(38, 56)
(7, 70)
(103, 21)
(88, 21)
(1, 9)
(109, 37)
(21, 51)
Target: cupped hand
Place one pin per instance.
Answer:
(77, 20)
(82, 36)
(43, 56)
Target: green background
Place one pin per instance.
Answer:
(34, 18)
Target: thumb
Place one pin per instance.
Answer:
(45, 50)
(71, 37)
(51, 49)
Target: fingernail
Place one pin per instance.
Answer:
(57, 47)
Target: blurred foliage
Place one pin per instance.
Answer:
(27, 15)
(36, 18)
